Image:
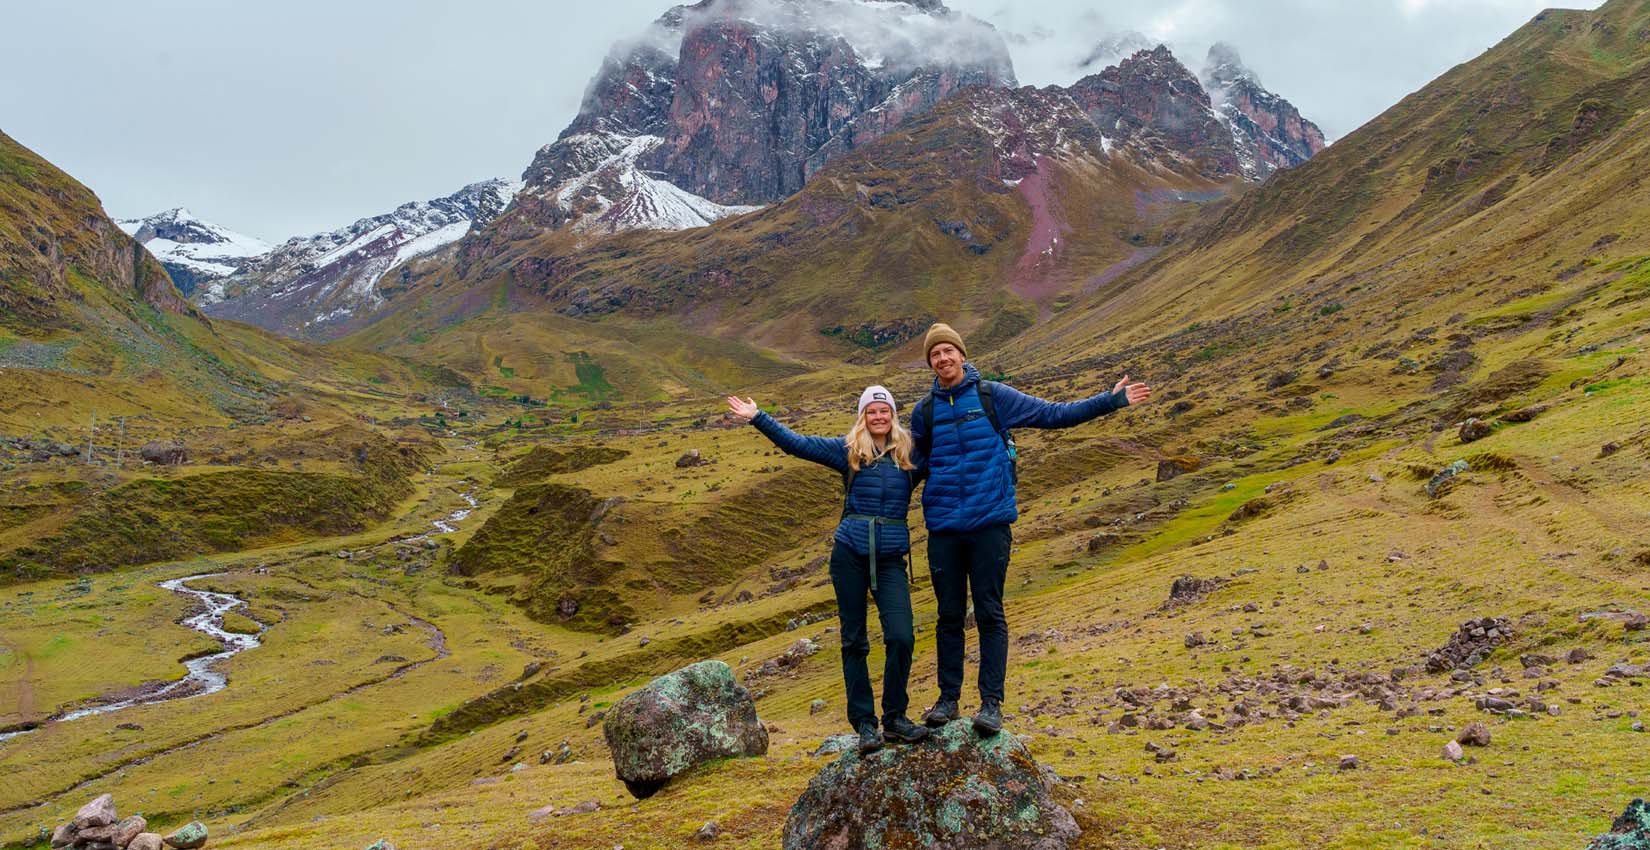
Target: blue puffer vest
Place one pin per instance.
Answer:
(970, 475)
(880, 489)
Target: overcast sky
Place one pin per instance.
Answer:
(294, 116)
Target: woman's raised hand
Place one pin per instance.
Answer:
(1135, 393)
(744, 410)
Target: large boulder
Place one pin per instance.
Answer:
(165, 454)
(679, 720)
(954, 790)
(1631, 831)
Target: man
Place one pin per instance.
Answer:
(968, 505)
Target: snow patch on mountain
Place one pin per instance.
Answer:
(194, 251)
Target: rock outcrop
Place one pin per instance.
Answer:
(679, 720)
(1267, 130)
(953, 790)
(1151, 97)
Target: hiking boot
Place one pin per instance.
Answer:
(942, 713)
(901, 730)
(988, 720)
(869, 740)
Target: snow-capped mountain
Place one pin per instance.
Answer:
(193, 251)
(727, 105)
(1269, 131)
(312, 286)
(1112, 50)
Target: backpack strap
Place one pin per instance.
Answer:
(925, 410)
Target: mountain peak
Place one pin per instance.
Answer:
(1224, 65)
(1113, 49)
(1268, 130)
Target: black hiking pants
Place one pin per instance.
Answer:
(851, 576)
(960, 563)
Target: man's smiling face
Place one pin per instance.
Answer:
(947, 362)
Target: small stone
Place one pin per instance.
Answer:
(1349, 763)
(1474, 734)
(64, 835)
(1473, 430)
(1453, 751)
(146, 841)
(816, 706)
(541, 812)
(708, 832)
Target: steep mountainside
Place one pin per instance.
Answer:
(57, 250)
(728, 104)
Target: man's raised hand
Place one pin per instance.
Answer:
(742, 409)
(1135, 393)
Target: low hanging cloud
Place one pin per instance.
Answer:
(891, 35)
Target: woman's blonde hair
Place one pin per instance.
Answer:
(862, 449)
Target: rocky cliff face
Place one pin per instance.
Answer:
(1267, 131)
(56, 243)
(730, 104)
(314, 286)
(1152, 98)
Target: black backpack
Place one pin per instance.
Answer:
(986, 391)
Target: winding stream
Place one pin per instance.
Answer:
(201, 679)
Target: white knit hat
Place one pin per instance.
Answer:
(876, 393)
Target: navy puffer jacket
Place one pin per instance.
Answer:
(880, 489)
(971, 477)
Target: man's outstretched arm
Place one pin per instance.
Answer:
(1018, 410)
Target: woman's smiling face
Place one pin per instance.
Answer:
(879, 419)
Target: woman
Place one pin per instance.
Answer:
(879, 468)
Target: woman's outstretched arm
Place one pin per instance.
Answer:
(828, 451)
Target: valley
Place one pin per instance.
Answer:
(1392, 482)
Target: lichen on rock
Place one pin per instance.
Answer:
(954, 790)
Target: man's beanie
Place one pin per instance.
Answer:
(942, 332)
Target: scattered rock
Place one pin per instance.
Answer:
(1446, 479)
(1474, 734)
(835, 744)
(1631, 831)
(583, 808)
(816, 706)
(1609, 449)
(1171, 468)
(541, 812)
(1195, 640)
(1526, 414)
(679, 720)
(381, 844)
(1349, 763)
(708, 832)
(1474, 430)
(1188, 590)
(1453, 751)
(1578, 656)
(953, 790)
(785, 662)
(690, 458)
(1470, 644)
(146, 841)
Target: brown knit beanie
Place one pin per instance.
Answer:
(942, 332)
